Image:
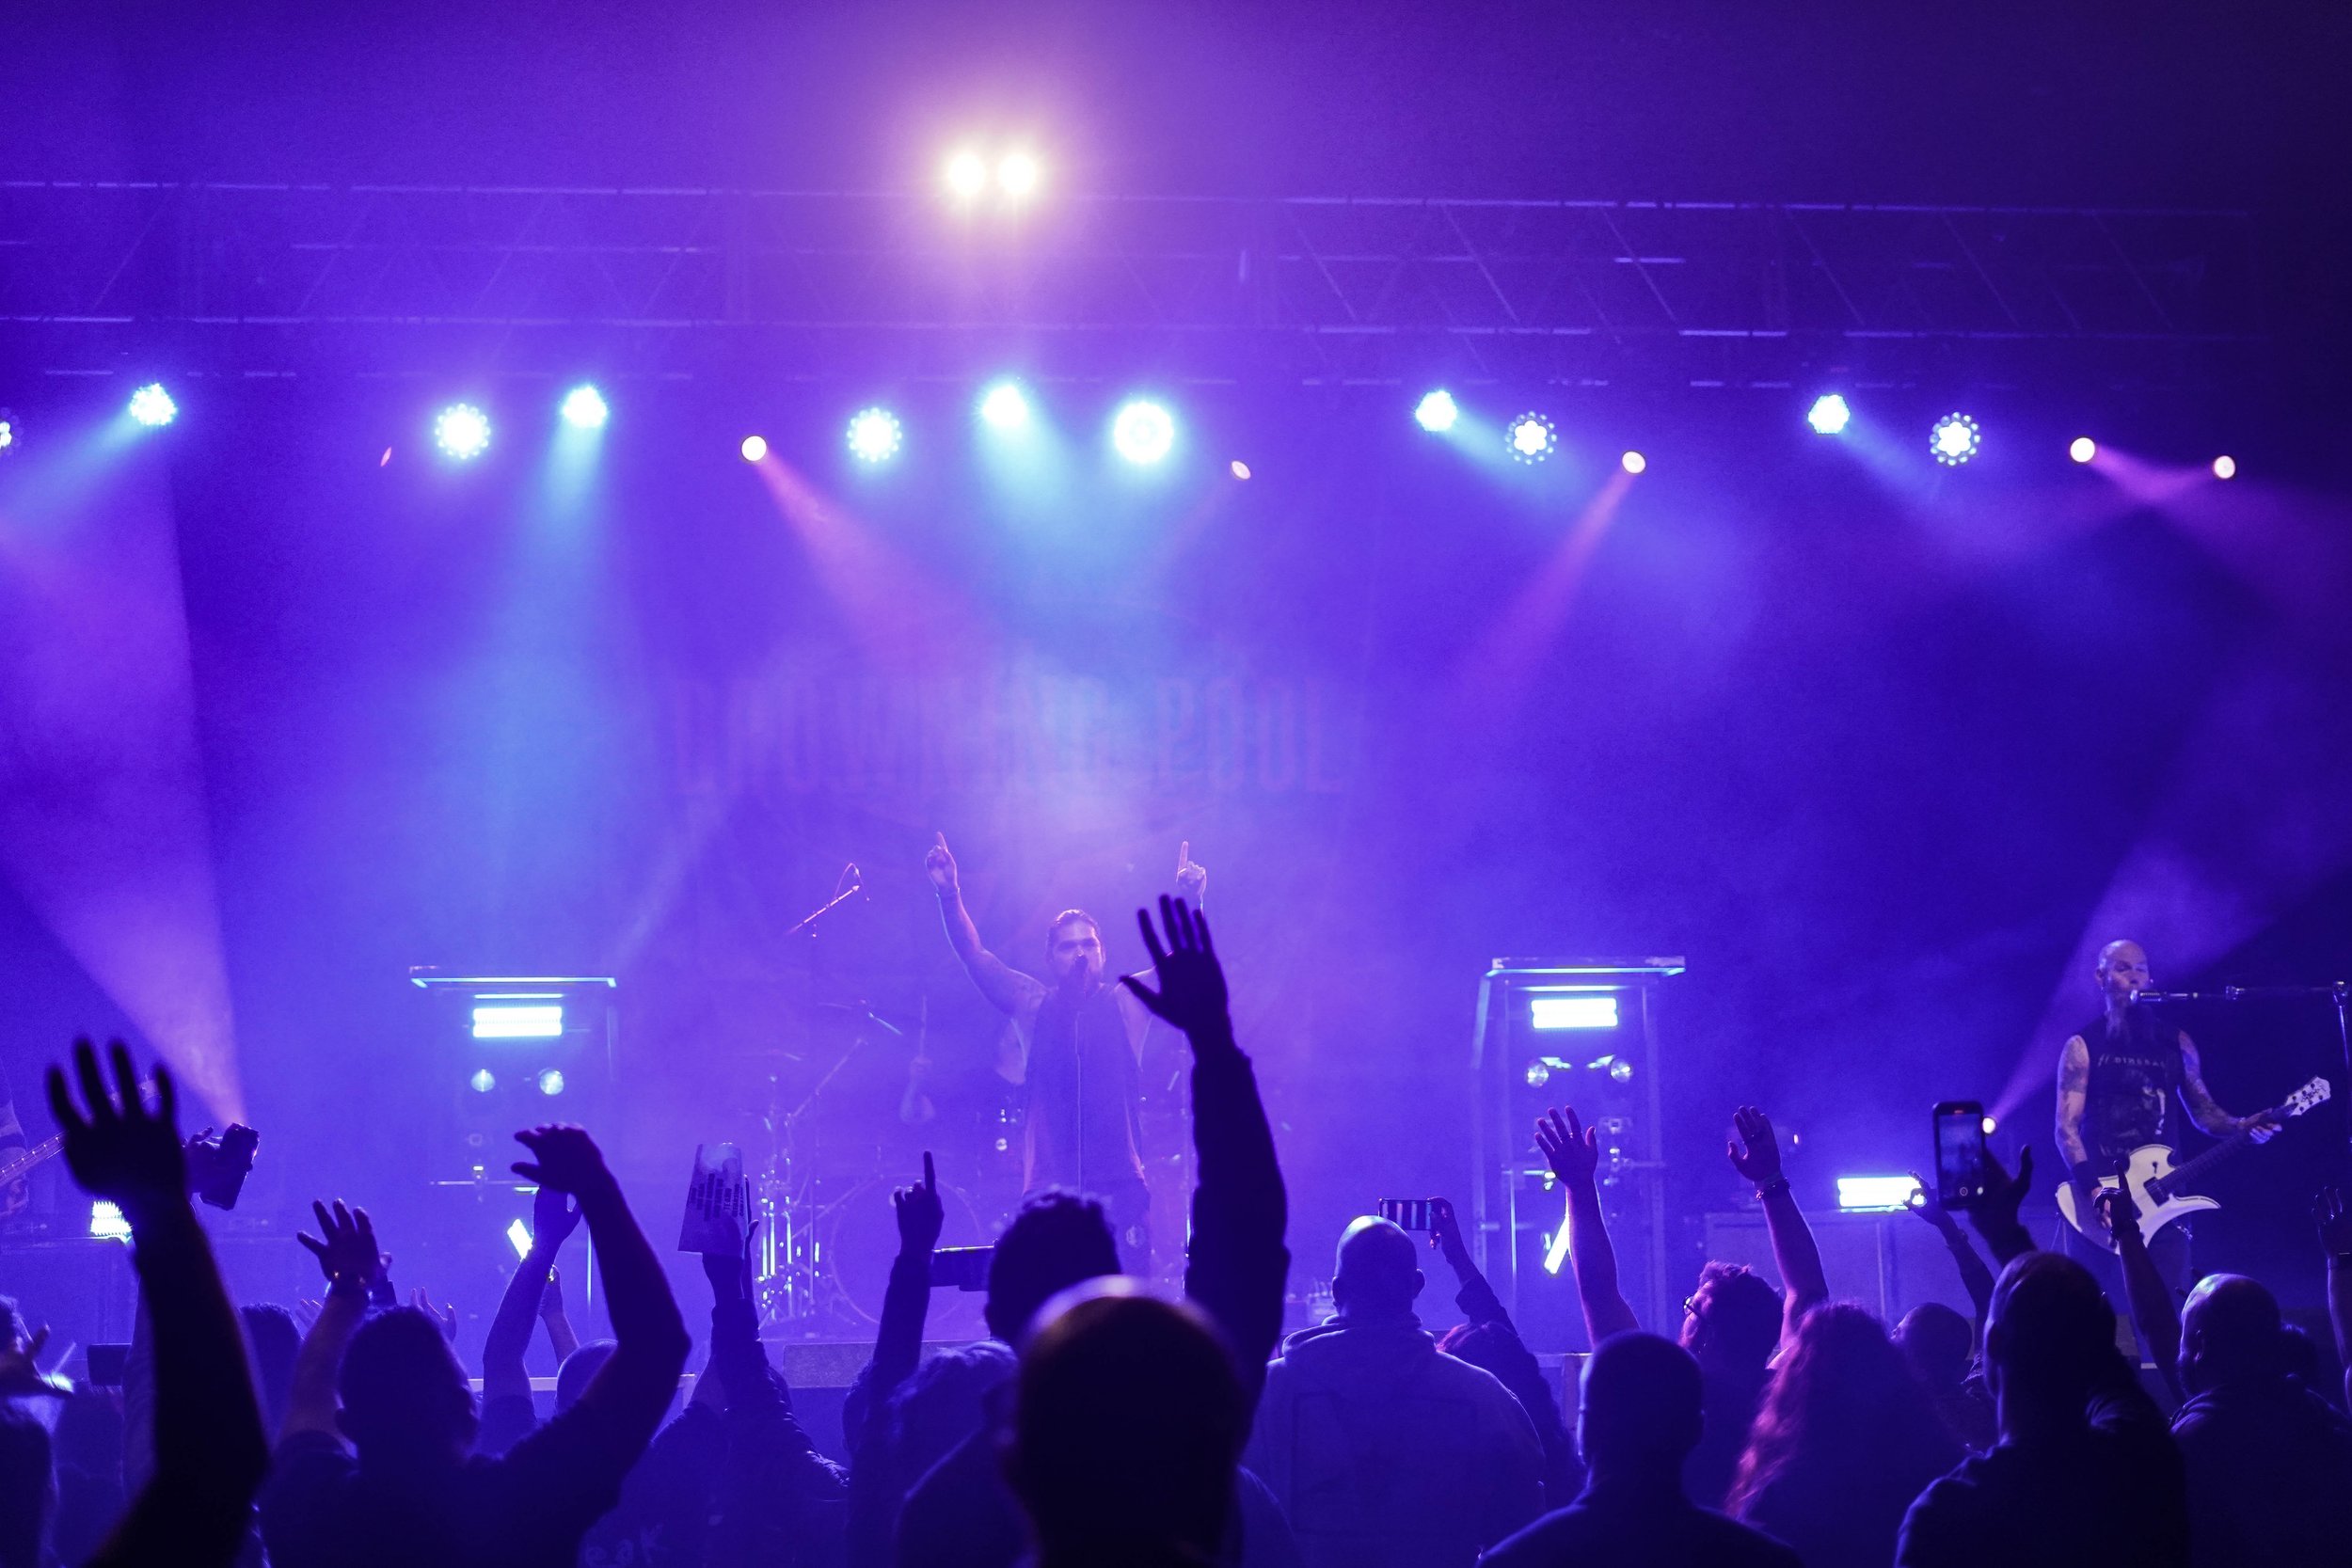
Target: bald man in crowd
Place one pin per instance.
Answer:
(1385, 1451)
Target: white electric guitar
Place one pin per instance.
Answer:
(2156, 1182)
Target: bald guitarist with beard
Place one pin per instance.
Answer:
(2117, 1083)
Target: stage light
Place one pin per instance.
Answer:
(1829, 415)
(483, 1080)
(1004, 406)
(152, 406)
(2083, 449)
(874, 435)
(1989, 1125)
(462, 432)
(1556, 1250)
(967, 175)
(1954, 439)
(584, 409)
(1018, 176)
(1240, 469)
(1531, 438)
(1633, 463)
(754, 448)
(2225, 468)
(551, 1081)
(1619, 1070)
(1539, 1072)
(1875, 1194)
(1436, 412)
(106, 1219)
(1584, 1010)
(537, 1020)
(518, 1237)
(10, 432)
(1143, 432)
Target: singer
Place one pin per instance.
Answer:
(1080, 1058)
(2117, 1083)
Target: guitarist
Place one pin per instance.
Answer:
(14, 1196)
(2117, 1083)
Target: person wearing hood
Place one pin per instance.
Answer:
(1382, 1448)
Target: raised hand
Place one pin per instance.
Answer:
(553, 1218)
(2334, 1221)
(730, 1273)
(446, 1315)
(2117, 1213)
(551, 1297)
(1445, 1234)
(1192, 983)
(118, 1150)
(1572, 1148)
(940, 865)
(564, 1158)
(919, 1212)
(1930, 1207)
(1759, 1161)
(345, 1246)
(2004, 1194)
(1192, 879)
(20, 1370)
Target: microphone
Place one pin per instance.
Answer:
(2157, 997)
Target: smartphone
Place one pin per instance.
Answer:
(1959, 1153)
(1409, 1214)
(964, 1268)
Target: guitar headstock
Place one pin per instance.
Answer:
(2311, 1094)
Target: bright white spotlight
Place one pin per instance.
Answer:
(551, 1081)
(1436, 412)
(518, 1237)
(1576, 1011)
(1875, 1194)
(106, 1219)
(508, 1021)
(462, 432)
(584, 409)
(1954, 439)
(1004, 406)
(1017, 175)
(874, 435)
(1239, 469)
(2225, 468)
(1633, 463)
(2082, 449)
(152, 406)
(754, 448)
(1829, 415)
(1989, 1125)
(1532, 438)
(483, 1080)
(12, 432)
(1144, 433)
(967, 175)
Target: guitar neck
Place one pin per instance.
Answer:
(2212, 1157)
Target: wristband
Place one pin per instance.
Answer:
(347, 1285)
(1773, 1188)
(2086, 1174)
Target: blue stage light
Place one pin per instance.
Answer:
(106, 1219)
(1829, 415)
(12, 432)
(523, 1022)
(1954, 439)
(152, 406)
(584, 409)
(1144, 433)
(483, 1080)
(1531, 438)
(1004, 406)
(462, 431)
(1436, 412)
(875, 435)
(551, 1081)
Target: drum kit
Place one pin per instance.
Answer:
(842, 1127)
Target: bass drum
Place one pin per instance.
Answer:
(857, 1239)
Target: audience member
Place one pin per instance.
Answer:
(1846, 1437)
(1940, 1347)
(2335, 1240)
(1358, 1404)
(28, 1494)
(211, 1451)
(1129, 1422)
(1733, 1322)
(1640, 1409)
(413, 1494)
(508, 1413)
(2084, 1470)
(1490, 1339)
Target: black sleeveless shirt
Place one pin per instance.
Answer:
(1084, 1091)
(2135, 1082)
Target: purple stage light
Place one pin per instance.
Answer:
(584, 409)
(1004, 406)
(2225, 468)
(1018, 176)
(1633, 463)
(1955, 439)
(966, 175)
(1240, 469)
(462, 432)
(1532, 438)
(875, 435)
(1829, 415)
(152, 406)
(1437, 412)
(754, 448)
(1144, 433)
(2083, 449)
(12, 432)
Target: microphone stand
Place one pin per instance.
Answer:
(856, 880)
(2340, 993)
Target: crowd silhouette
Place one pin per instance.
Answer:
(1103, 1423)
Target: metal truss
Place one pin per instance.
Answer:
(232, 279)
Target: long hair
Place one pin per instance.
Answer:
(1844, 1405)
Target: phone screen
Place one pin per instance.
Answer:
(1959, 1153)
(1411, 1214)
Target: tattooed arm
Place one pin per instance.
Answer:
(2073, 1087)
(2206, 1111)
